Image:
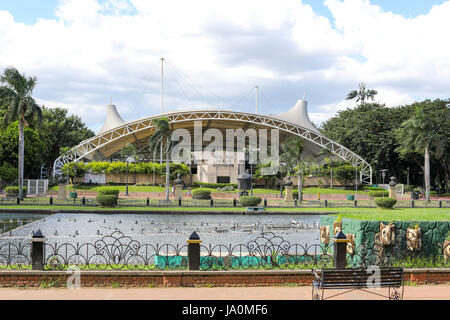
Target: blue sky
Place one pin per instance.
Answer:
(86, 52)
(28, 11)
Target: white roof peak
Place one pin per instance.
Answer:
(113, 119)
(298, 114)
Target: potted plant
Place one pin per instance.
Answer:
(337, 225)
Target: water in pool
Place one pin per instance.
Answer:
(163, 228)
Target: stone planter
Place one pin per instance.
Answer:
(414, 239)
(325, 234)
(350, 243)
(387, 234)
(446, 250)
(337, 226)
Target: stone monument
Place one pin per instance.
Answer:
(288, 189)
(392, 189)
(178, 187)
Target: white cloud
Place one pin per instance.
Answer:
(217, 50)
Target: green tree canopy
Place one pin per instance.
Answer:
(59, 130)
(9, 145)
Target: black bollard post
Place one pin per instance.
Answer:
(412, 203)
(148, 201)
(18, 200)
(340, 251)
(325, 202)
(194, 251)
(440, 203)
(234, 202)
(265, 202)
(356, 203)
(295, 202)
(212, 202)
(179, 201)
(51, 200)
(84, 201)
(37, 251)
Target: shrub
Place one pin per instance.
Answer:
(249, 201)
(213, 185)
(370, 188)
(385, 203)
(381, 193)
(201, 194)
(106, 200)
(14, 191)
(108, 192)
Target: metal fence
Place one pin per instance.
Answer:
(267, 251)
(227, 203)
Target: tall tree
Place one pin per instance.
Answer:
(33, 155)
(362, 94)
(161, 140)
(291, 154)
(15, 96)
(418, 134)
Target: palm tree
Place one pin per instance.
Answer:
(417, 135)
(291, 154)
(362, 94)
(15, 96)
(161, 139)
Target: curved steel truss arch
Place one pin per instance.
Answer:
(93, 144)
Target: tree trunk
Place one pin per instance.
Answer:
(331, 177)
(427, 173)
(21, 155)
(445, 169)
(167, 175)
(299, 183)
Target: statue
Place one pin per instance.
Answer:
(178, 185)
(288, 189)
(392, 189)
(178, 180)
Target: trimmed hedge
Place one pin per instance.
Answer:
(198, 184)
(14, 191)
(106, 200)
(201, 194)
(108, 192)
(249, 201)
(378, 193)
(385, 203)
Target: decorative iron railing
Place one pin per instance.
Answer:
(267, 251)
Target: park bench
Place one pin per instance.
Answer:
(359, 279)
(314, 202)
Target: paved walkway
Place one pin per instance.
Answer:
(429, 292)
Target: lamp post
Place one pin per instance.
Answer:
(129, 160)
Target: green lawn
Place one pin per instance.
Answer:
(442, 214)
